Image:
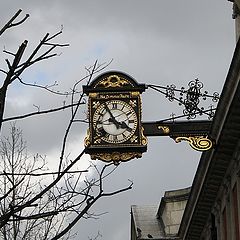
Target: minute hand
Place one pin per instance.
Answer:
(124, 125)
(118, 124)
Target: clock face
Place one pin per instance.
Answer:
(115, 121)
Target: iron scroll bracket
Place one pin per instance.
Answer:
(196, 133)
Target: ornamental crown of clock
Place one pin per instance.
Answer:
(115, 130)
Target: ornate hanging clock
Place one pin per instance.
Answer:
(115, 130)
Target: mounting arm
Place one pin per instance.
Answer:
(194, 132)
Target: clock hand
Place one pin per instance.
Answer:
(124, 125)
(107, 120)
(112, 118)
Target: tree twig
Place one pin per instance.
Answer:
(40, 112)
(11, 23)
(39, 174)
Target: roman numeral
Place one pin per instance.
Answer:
(101, 113)
(114, 105)
(101, 130)
(99, 120)
(131, 121)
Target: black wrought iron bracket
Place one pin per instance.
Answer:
(194, 132)
(190, 98)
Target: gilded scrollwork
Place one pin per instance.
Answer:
(165, 129)
(95, 104)
(93, 95)
(113, 81)
(133, 103)
(199, 143)
(143, 137)
(97, 141)
(135, 94)
(116, 156)
(87, 141)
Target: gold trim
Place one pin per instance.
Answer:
(87, 139)
(134, 138)
(116, 156)
(95, 104)
(165, 129)
(93, 95)
(113, 81)
(144, 139)
(199, 143)
(135, 94)
(133, 103)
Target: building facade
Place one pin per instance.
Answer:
(210, 210)
(159, 222)
(213, 207)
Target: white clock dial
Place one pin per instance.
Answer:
(115, 121)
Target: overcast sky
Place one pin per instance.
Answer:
(156, 42)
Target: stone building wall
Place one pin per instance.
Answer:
(171, 210)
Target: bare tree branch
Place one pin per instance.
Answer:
(40, 174)
(89, 205)
(11, 189)
(74, 113)
(37, 202)
(41, 112)
(11, 23)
